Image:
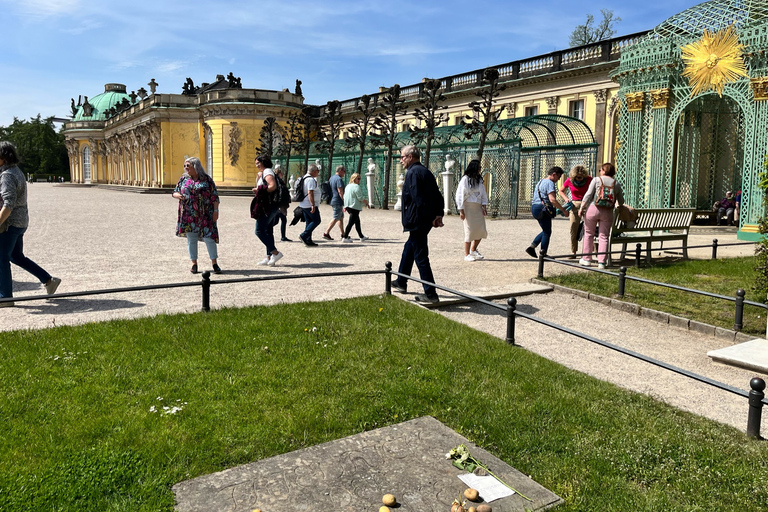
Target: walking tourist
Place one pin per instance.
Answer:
(353, 203)
(576, 184)
(282, 210)
(310, 205)
(14, 219)
(198, 211)
(422, 210)
(337, 202)
(268, 210)
(544, 206)
(472, 203)
(603, 195)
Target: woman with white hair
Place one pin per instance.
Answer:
(198, 211)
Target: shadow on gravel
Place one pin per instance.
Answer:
(482, 309)
(27, 286)
(69, 306)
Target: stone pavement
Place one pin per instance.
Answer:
(99, 239)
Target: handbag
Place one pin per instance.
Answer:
(549, 209)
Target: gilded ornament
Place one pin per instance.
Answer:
(759, 88)
(713, 61)
(635, 101)
(660, 98)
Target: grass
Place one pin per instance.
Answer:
(723, 276)
(80, 433)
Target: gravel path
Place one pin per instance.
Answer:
(96, 238)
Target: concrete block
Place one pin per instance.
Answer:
(678, 321)
(599, 298)
(627, 307)
(725, 334)
(656, 316)
(742, 338)
(701, 327)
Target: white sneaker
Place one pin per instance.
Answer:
(364, 239)
(585, 263)
(469, 257)
(601, 265)
(477, 255)
(347, 240)
(264, 261)
(52, 285)
(274, 259)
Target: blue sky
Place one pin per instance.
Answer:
(53, 50)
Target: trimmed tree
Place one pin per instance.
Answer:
(427, 112)
(269, 137)
(330, 129)
(484, 117)
(391, 106)
(291, 140)
(362, 124)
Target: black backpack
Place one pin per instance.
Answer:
(326, 194)
(281, 196)
(298, 189)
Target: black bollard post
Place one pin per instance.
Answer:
(738, 323)
(714, 249)
(511, 307)
(540, 274)
(206, 291)
(622, 281)
(755, 407)
(388, 276)
(638, 251)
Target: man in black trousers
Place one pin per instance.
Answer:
(422, 210)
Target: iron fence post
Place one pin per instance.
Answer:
(638, 251)
(388, 276)
(511, 307)
(622, 280)
(714, 249)
(206, 291)
(756, 396)
(541, 266)
(738, 323)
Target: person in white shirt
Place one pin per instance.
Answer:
(472, 203)
(310, 205)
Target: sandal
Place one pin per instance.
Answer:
(194, 269)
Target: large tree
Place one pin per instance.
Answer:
(362, 124)
(269, 137)
(484, 117)
(588, 33)
(291, 141)
(41, 149)
(385, 123)
(331, 122)
(427, 112)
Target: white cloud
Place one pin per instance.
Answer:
(36, 9)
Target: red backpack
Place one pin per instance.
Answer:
(605, 194)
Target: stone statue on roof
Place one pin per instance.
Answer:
(298, 88)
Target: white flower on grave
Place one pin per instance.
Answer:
(152, 409)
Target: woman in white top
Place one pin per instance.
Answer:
(472, 203)
(599, 210)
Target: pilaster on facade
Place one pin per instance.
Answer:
(660, 98)
(759, 87)
(601, 95)
(552, 102)
(635, 101)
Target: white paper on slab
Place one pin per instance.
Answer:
(489, 487)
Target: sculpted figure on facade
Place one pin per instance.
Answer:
(601, 95)
(152, 86)
(234, 143)
(298, 88)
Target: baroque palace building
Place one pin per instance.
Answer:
(681, 129)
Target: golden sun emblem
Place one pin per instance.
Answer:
(713, 61)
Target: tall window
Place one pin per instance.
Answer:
(532, 111)
(209, 151)
(576, 109)
(87, 164)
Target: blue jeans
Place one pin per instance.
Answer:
(12, 251)
(264, 228)
(210, 244)
(545, 221)
(312, 220)
(416, 250)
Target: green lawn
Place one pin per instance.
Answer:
(723, 276)
(83, 428)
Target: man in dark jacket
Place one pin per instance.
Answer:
(422, 210)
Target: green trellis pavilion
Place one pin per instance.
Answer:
(681, 149)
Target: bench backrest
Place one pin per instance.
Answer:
(654, 219)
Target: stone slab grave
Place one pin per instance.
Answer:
(354, 473)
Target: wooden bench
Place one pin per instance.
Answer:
(652, 225)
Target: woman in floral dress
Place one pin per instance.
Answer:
(198, 211)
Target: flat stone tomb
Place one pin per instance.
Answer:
(352, 474)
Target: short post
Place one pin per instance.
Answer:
(638, 252)
(738, 323)
(540, 274)
(206, 291)
(622, 280)
(511, 307)
(714, 249)
(388, 276)
(756, 396)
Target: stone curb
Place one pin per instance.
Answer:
(652, 314)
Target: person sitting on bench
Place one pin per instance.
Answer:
(726, 209)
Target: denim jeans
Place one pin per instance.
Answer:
(265, 228)
(312, 220)
(545, 221)
(416, 250)
(12, 251)
(210, 244)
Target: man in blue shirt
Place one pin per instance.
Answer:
(337, 202)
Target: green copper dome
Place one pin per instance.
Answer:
(113, 94)
(713, 16)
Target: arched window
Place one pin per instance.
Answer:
(87, 164)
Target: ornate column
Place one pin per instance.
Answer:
(72, 153)
(600, 120)
(552, 104)
(660, 177)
